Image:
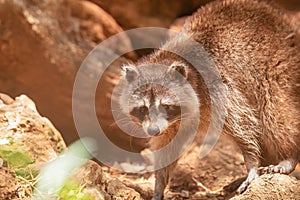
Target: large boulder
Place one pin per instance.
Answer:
(28, 142)
(141, 13)
(42, 45)
(275, 186)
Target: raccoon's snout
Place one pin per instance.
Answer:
(153, 130)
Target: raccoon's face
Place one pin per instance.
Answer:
(155, 108)
(151, 95)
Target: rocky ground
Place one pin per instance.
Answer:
(42, 44)
(28, 141)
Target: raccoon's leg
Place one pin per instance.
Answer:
(252, 163)
(161, 181)
(252, 174)
(284, 167)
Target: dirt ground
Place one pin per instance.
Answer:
(216, 176)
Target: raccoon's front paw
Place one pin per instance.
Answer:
(273, 169)
(284, 167)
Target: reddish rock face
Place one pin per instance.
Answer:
(141, 13)
(42, 45)
(289, 4)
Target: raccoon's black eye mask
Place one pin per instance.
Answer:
(172, 111)
(140, 112)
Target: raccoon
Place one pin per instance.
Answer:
(256, 52)
(159, 97)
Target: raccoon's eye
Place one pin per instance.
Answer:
(172, 111)
(139, 112)
(163, 107)
(143, 110)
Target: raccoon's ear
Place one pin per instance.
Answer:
(178, 71)
(130, 73)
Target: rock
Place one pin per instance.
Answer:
(272, 186)
(43, 43)
(98, 184)
(141, 13)
(26, 131)
(28, 141)
(44, 71)
(290, 4)
(95, 25)
(8, 184)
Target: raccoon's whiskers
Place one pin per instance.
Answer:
(133, 130)
(120, 121)
(124, 121)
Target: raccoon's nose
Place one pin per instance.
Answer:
(153, 130)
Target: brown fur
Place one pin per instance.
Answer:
(257, 53)
(259, 59)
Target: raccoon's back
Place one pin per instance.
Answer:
(256, 50)
(251, 43)
(245, 36)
